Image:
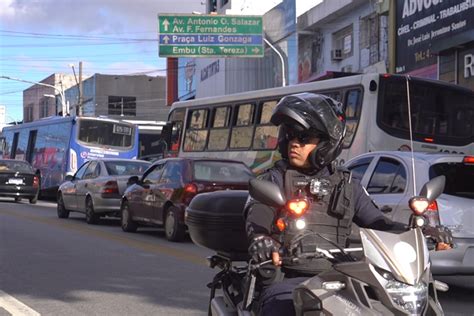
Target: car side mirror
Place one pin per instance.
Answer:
(68, 177)
(133, 180)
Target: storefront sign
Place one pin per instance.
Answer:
(421, 23)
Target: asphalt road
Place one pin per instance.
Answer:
(66, 267)
(52, 266)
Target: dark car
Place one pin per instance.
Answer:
(18, 180)
(161, 195)
(97, 187)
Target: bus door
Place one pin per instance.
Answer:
(2, 147)
(31, 146)
(14, 145)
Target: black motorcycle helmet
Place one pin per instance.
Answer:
(315, 114)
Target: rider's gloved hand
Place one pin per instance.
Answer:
(441, 235)
(262, 247)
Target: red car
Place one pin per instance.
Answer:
(161, 195)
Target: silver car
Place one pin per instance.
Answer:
(388, 178)
(96, 188)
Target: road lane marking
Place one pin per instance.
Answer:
(142, 245)
(15, 307)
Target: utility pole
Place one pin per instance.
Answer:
(81, 96)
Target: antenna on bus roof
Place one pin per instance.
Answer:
(411, 134)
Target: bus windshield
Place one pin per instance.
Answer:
(104, 133)
(439, 114)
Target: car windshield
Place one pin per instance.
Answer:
(217, 171)
(15, 166)
(458, 178)
(126, 168)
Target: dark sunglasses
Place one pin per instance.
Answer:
(301, 137)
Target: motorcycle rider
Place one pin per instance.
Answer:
(312, 130)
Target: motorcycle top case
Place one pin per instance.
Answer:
(215, 220)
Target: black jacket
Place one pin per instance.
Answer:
(260, 217)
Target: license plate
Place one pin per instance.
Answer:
(15, 181)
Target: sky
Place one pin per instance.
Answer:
(42, 37)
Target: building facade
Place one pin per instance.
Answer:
(42, 101)
(221, 76)
(342, 36)
(430, 39)
(120, 96)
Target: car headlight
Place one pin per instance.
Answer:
(412, 298)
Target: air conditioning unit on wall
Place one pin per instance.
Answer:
(336, 54)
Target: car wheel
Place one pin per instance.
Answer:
(17, 199)
(173, 229)
(62, 211)
(128, 225)
(91, 216)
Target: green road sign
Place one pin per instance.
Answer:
(210, 36)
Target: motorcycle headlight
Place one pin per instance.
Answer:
(412, 298)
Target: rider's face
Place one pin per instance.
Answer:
(299, 148)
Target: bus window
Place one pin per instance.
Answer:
(266, 134)
(242, 131)
(105, 133)
(219, 133)
(352, 106)
(21, 146)
(352, 110)
(336, 95)
(176, 117)
(438, 112)
(196, 131)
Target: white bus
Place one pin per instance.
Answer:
(237, 126)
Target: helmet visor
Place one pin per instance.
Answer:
(303, 137)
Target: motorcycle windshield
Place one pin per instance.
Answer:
(405, 255)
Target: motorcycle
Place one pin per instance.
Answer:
(389, 275)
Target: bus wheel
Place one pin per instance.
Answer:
(34, 199)
(173, 229)
(128, 225)
(91, 216)
(62, 211)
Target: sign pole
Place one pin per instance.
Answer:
(283, 75)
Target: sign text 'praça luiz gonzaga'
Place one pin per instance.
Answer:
(210, 36)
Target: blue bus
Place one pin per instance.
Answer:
(57, 146)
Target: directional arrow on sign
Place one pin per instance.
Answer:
(255, 50)
(166, 23)
(166, 39)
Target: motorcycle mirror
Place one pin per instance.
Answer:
(266, 192)
(433, 188)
